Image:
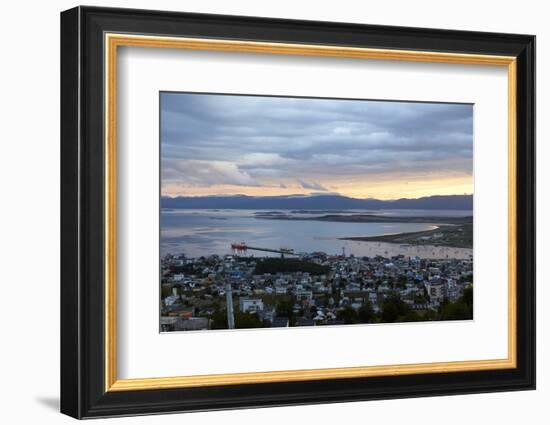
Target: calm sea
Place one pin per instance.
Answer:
(205, 232)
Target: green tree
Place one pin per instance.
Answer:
(422, 298)
(394, 310)
(289, 265)
(166, 290)
(219, 320)
(468, 297)
(401, 281)
(412, 316)
(366, 313)
(285, 308)
(248, 320)
(429, 314)
(462, 309)
(467, 278)
(455, 311)
(348, 315)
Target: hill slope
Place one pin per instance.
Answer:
(316, 202)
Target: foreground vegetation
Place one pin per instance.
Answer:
(289, 265)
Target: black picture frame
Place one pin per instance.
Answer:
(83, 392)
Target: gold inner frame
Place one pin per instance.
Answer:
(113, 41)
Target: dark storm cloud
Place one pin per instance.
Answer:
(250, 138)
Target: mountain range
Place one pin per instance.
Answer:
(316, 202)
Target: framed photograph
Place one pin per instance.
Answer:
(261, 212)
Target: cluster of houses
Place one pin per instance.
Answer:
(193, 290)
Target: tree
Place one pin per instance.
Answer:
(248, 320)
(390, 312)
(219, 320)
(429, 314)
(423, 298)
(468, 297)
(285, 308)
(463, 309)
(348, 315)
(289, 265)
(366, 313)
(166, 290)
(467, 278)
(456, 311)
(412, 316)
(401, 281)
(394, 310)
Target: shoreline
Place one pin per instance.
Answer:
(371, 218)
(450, 236)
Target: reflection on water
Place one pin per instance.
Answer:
(206, 232)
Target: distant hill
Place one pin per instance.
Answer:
(316, 202)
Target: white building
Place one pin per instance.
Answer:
(251, 305)
(436, 290)
(172, 299)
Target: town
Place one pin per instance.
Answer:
(232, 291)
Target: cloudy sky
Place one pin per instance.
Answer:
(223, 144)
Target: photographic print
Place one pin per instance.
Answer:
(321, 198)
(280, 212)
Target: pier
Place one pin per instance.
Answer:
(242, 247)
